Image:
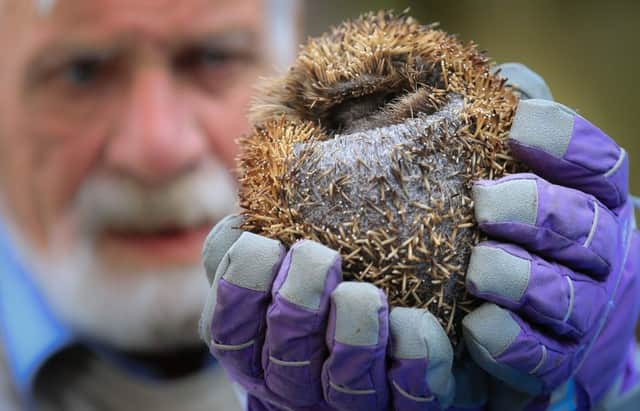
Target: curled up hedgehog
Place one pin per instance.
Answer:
(369, 144)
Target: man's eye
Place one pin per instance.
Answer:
(83, 71)
(214, 57)
(203, 58)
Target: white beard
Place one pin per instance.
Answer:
(144, 311)
(151, 310)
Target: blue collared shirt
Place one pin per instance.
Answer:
(30, 334)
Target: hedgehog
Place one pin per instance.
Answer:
(370, 144)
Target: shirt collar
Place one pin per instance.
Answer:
(29, 332)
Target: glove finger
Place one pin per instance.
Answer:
(511, 350)
(566, 149)
(294, 348)
(556, 222)
(354, 375)
(566, 303)
(216, 245)
(420, 377)
(524, 80)
(218, 242)
(233, 320)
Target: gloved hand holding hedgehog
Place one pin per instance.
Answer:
(389, 144)
(370, 145)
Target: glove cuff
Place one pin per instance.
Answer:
(626, 386)
(631, 373)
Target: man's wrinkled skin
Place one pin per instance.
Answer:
(117, 128)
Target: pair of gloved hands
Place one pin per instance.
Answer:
(560, 280)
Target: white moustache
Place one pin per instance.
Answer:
(118, 202)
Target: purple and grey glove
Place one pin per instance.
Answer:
(295, 337)
(561, 273)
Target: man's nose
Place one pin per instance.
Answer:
(157, 138)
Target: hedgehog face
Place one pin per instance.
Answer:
(370, 145)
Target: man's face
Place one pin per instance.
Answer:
(117, 128)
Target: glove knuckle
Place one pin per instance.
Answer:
(251, 262)
(311, 265)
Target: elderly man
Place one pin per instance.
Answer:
(117, 130)
(117, 127)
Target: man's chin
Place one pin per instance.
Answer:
(150, 310)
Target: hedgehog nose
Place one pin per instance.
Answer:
(357, 113)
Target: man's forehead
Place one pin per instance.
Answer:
(141, 17)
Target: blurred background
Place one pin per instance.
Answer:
(587, 51)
